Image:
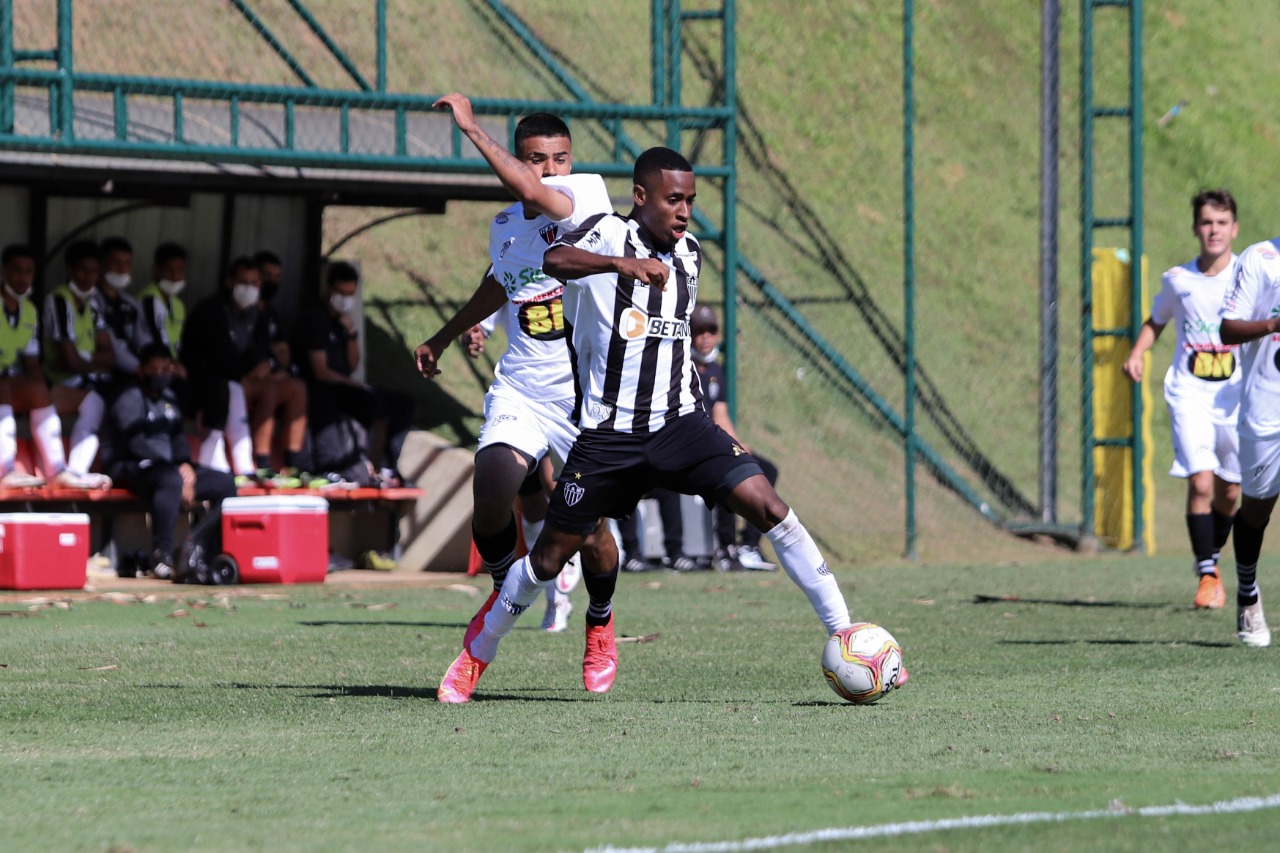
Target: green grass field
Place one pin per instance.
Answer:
(307, 719)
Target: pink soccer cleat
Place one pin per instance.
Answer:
(460, 680)
(600, 660)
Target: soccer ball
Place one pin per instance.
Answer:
(862, 663)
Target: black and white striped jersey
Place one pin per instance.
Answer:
(629, 342)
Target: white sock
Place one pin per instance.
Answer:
(555, 596)
(238, 430)
(803, 563)
(84, 435)
(46, 427)
(519, 590)
(213, 451)
(8, 439)
(530, 529)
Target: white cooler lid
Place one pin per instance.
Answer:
(258, 504)
(58, 518)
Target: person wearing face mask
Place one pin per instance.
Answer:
(119, 310)
(330, 340)
(164, 314)
(147, 453)
(79, 358)
(227, 350)
(705, 329)
(22, 384)
(272, 275)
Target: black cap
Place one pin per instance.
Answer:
(704, 317)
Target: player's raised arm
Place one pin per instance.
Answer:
(489, 297)
(515, 176)
(568, 263)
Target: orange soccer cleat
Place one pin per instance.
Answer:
(476, 625)
(460, 681)
(600, 660)
(1210, 595)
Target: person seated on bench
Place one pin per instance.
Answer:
(121, 313)
(146, 452)
(227, 350)
(22, 383)
(78, 358)
(329, 339)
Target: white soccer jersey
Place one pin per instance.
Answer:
(631, 345)
(1204, 370)
(1256, 296)
(537, 359)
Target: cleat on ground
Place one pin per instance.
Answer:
(600, 660)
(459, 682)
(1251, 625)
(1210, 595)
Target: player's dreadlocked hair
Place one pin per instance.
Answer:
(657, 160)
(1220, 198)
(540, 124)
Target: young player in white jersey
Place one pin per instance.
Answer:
(1251, 318)
(631, 285)
(1202, 386)
(528, 407)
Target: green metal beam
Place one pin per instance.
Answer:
(269, 37)
(305, 14)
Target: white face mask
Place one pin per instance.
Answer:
(80, 294)
(342, 303)
(706, 357)
(245, 295)
(118, 280)
(26, 294)
(171, 287)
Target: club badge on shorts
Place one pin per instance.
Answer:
(573, 493)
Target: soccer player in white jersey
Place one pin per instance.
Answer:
(1202, 386)
(1251, 318)
(529, 406)
(630, 286)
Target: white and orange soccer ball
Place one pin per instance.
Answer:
(862, 663)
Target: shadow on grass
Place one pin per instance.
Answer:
(366, 623)
(1069, 602)
(381, 691)
(1206, 644)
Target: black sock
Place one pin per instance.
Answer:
(294, 459)
(1247, 540)
(1221, 531)
(1200, 526)
(261, 460)
(600, 590)
(498, 551)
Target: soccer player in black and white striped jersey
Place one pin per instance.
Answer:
(630, 289)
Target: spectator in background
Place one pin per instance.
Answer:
(147, 453)
(330, 340)
(272, 272)
(79, 357)
(228, 355)
(22, 383)
(121, 313)
(705, 329)
(164, 314)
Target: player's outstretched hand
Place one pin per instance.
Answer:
(472, 340)
(651, 271)
(461, 107)
(427, 355)
(1132, 367)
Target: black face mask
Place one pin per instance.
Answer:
(269, 290)
(155, 383)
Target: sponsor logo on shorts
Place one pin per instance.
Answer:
(513, 608)
(635, 324)
(500, 418)
(573, 493)
(823, 570)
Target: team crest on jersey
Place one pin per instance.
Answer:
(573, 493)
(692, 284)
(547, 233)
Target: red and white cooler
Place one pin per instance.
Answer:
(43, 550)
(277, 539)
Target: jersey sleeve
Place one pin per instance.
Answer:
(589, 194)
(1241, 302)
(1166, 301)
(56, 325)
(600, 235)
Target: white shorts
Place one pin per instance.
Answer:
(1260, 465)
(1202, 444)
(533, 427)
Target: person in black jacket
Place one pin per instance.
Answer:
(147, 453)
(226, 348)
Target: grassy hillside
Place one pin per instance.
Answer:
(821, 205)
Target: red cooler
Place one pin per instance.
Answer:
(282, 539)
(43, 550)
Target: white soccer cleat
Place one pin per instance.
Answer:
(1251, 623)
(556, 619)
(569, 576)
(751, 560)
(90, 481)
(19, 480)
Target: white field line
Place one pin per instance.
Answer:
(915, 827)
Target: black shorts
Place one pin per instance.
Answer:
(607, 473)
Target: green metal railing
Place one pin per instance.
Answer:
(1090, 114)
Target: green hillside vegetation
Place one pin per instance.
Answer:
(821, 207)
